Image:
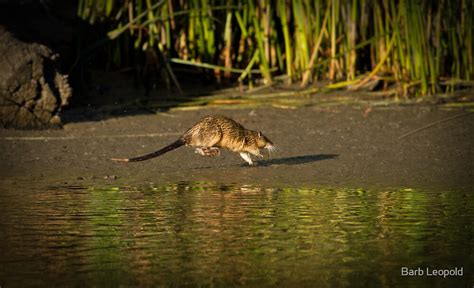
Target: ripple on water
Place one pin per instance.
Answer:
(207, 234)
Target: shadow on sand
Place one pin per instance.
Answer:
(296, 160)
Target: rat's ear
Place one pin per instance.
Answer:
(259, 134)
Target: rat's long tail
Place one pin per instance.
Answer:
(178, 143)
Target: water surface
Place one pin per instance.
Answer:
(225, 235)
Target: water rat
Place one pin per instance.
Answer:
(212, 133)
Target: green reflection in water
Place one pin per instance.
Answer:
(214, 234)
(105, 234)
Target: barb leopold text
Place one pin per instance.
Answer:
(432, 272)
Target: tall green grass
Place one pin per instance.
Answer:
(415, 45)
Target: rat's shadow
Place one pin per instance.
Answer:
(296, 160)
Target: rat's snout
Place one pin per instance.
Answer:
(269, 146)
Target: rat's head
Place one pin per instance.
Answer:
(264, 142)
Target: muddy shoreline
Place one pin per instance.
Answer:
(333, 146)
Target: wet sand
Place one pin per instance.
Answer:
(337, 146)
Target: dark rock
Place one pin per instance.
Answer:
(32, 90)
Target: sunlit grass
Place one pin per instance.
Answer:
(411, 44)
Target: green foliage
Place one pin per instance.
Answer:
(415, 45)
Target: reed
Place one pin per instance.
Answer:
(410, 44)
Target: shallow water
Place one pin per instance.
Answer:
(226, 235)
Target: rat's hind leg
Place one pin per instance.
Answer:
(213, 151)
(208, 151)
(205, 147)
(199, 151)
(246, 157)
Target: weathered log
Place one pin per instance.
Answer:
(32, 90)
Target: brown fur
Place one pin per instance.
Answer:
(212, 133)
